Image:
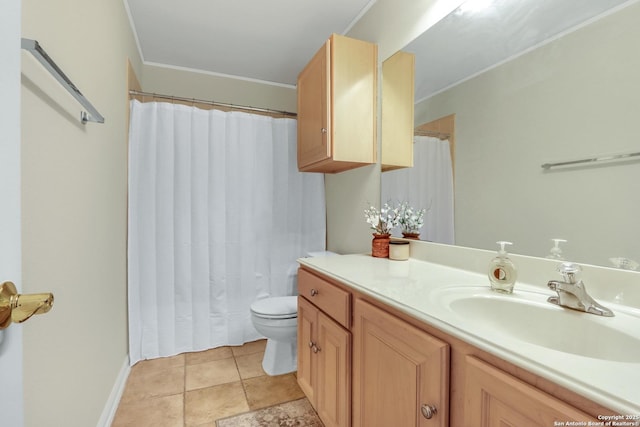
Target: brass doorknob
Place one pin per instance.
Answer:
(17, 308)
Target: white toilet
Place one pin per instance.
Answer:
(277, 319)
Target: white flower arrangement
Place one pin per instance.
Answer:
(410, 219)
(383, 221)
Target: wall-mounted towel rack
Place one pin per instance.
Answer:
(91, 115)
(595, 159)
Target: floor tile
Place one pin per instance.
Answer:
(209, 404)
(195, 389)
(165, 411)
(250, 347)
(208, 355)
(211, 373)
(266, 390)
(159, 364)
(250, 365)
(145, 383)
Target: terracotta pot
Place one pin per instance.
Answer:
(414, 236)
(380, 245)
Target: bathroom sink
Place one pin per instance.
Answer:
(526, 316)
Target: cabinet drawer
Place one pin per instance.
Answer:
(327, 297)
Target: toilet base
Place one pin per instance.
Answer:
(280, 357)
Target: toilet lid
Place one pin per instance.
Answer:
(276, 307)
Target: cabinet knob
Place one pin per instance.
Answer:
(428, 411)
(311, 344)
(314, 292)
(315, 348)
(323, 130)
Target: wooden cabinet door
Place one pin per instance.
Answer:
(354, 84)
(324, 364)
(314, 142)
(397, 111)
(397, 369)
(333, 394)
(307, 324)
(493, 398)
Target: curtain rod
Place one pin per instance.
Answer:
(38, 52)
(433, 133)
(134, 93)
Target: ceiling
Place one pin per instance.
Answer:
(268, 41)
(273, 41)
(471, 40)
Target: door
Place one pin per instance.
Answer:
(11, 406)
(400, 373)
(314, 127)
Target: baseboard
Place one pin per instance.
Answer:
(110, 408)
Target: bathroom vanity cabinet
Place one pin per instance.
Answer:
(400, 373)
(406, 372)
(493, 396)
(324, 348)
(397, 111)
(337, 98)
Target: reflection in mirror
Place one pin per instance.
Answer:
(429, 183)
(559, 88)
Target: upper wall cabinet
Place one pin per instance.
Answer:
(397, 111)
(337, 93)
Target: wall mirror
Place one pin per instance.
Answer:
(531, 83)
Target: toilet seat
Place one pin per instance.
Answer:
(276, 307)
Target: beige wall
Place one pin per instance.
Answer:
(574, 98)
(189, 84)
(74, 209)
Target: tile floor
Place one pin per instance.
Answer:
(195, 389)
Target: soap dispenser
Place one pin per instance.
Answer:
(555, 252)
(502, 271)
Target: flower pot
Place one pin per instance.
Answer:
(380, 245)
(414, 236)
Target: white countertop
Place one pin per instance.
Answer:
(409, 286)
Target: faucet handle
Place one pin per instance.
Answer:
(571, 272)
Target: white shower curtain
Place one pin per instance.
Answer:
(429, 183)
(218, 214)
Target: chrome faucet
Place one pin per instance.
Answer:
(572, 292)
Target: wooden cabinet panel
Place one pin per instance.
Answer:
(337, 107)
(493, 398)
(334, 370)
(397, 111)
(314, 108)
(327, 297)
(307, 323)
(397, 369)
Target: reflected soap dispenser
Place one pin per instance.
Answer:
(555, 252)
(502, 271)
